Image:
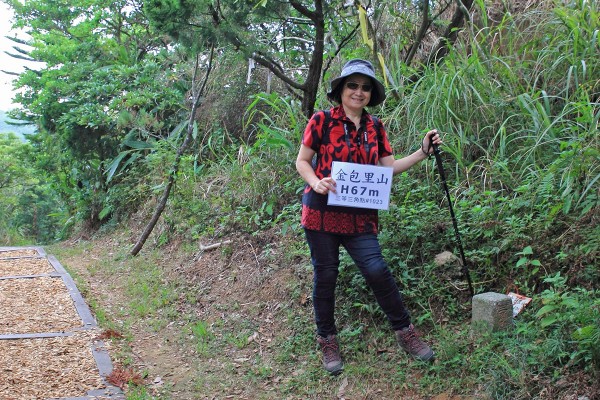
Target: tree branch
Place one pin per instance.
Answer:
(340, 47)
(447, 39)
(452, 30)
(21, 57)
(425, 23)
(270, 64)
(17, 40)
(312, 15)
(10, 73)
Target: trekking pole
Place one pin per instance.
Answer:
(438, 161)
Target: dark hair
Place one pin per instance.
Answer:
(336, 95)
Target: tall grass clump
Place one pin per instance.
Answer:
(265, 162)
(244, 182)
(517, 105)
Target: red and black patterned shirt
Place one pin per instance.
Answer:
(341, 141)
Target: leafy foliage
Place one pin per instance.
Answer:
(30, 208)
(105, 80)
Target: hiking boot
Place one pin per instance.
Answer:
(407, 339)
(332, 361)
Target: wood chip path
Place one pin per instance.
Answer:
(49, 346)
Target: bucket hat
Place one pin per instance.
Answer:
(363, 67)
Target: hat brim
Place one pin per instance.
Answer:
(377, 95)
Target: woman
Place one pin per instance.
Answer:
(348, 133)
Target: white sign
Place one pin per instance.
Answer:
(360, 185)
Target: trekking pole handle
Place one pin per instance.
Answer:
(437, 153)
(436, 148)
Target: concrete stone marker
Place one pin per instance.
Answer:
(492, 312)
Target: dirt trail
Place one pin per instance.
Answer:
(239, 293)
(236, 323)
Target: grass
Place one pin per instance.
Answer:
(282, 360)
(203, 337)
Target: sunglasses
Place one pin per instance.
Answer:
(355, 86)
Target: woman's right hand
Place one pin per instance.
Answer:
(324, 186)
(306, 171)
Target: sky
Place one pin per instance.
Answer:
(7, 62)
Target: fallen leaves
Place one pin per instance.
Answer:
(6, 253)
(36, 305)
(48, 366)
(121, 377)
(110, 334)
(24, 266)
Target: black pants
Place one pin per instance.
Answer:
(366, 253)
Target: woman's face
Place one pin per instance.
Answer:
(356, 92)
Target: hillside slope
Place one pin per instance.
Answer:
(236, 322)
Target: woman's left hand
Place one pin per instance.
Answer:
(431, 136)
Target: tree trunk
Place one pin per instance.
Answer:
(313, 77)
(310, 87)
(451, 34)
(448, 38)
(425, 24)
(175, 168)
